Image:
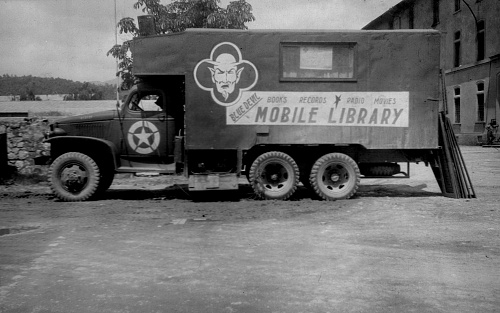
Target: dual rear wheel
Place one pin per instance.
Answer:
(335, 176)
(275, 175)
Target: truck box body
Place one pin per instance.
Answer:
(385, 99)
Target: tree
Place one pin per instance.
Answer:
(176, 17)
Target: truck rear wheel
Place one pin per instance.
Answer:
(274, 175)
(335, 176)
(74, 176)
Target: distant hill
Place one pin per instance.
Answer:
(103, 83)
(28, 86)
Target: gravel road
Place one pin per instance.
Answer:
(147, 246)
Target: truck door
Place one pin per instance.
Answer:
(146, 129)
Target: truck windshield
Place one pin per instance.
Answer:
(145, 103)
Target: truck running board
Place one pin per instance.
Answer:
(166, 169)
(450, 170)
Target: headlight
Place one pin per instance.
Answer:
(54, 132)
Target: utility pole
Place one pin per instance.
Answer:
(116, 71)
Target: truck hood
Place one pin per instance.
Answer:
(92, 117)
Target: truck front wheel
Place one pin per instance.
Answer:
(74, 176)
(274, 175)
(105, 181)
(335, 176)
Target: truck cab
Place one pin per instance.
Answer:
(139, 136)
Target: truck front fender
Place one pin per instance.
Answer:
(99, 149)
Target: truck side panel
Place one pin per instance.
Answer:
(388, 102)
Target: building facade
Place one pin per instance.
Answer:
(470, 56)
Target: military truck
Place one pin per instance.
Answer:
(321, 108)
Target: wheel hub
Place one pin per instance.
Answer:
(334, 177)
(274, 176)
(73, 177)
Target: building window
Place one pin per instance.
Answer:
(435, 10)
(480, 102)
(456, 101)
(397, 22)
(308, 61)
(480, 40)
(456, 49)
(411, 18)
(457, 5)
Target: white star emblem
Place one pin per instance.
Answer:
(141, 141)
(143, 137)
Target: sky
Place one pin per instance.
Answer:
(70, 38)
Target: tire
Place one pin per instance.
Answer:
(74, 176)
(274, 175)
(105, 181)
(107, 176)
(335, 176)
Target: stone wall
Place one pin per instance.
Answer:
(25, 142)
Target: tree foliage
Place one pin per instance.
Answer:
(27, 87)
(176, 17)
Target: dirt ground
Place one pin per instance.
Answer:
(146, 246)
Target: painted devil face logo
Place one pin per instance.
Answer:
(225, 74)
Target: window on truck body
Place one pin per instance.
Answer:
(318, 61)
